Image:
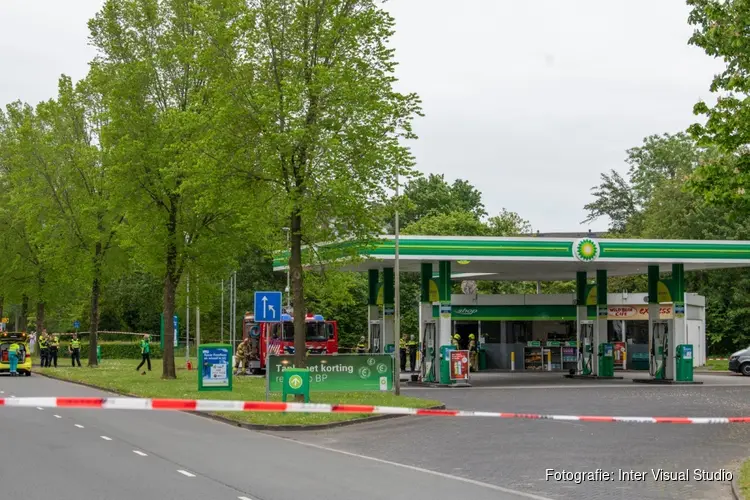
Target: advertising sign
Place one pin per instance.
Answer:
(215, 367)
(459, 365)
(338, 373)
(637, 312)
(621, 354)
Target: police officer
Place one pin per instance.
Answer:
(75, 351)
(473, 354)
(54, 346)
(412, 345)
(402, 352)
(44, 348)
(362, 345)
(13, 358)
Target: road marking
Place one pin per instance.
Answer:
(244, 498)
(79, 426)
(139, 453)
(418, 469)
(2, 392)
(106, 438)
(39, 408)
(186, 473)
(58, 416)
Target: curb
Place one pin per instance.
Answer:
(254, 427)
(735, 490)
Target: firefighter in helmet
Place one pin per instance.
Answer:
(473, 353)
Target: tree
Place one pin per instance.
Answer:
(310, 101)
(152, 70)
(432, 195)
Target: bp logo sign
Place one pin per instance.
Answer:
(295, 381)
(586, 250)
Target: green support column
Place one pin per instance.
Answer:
(444, 281)
(679, 335)
(653, 284)
(389, 294)
(655, 363)
(426, 277)
(373, 282)
(427, 364)
(584, 366)
(445, 324)
(600, 328)
(581, 282)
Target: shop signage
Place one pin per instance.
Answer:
(459, 367)
(466, 311)
(637, 312)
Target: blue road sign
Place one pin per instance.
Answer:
(267, 307)
(76, 324)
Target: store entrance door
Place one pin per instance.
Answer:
(464, 329)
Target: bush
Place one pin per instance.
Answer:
(118, 350)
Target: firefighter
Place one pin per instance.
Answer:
(456, 342)
(362, 346)
(54, 346)
(473, 354)
(44, 348)
(241, 357)
(13, 358)
(412, 345)
(402, 352)
(75, 351)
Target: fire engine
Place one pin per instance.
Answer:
(321, 337)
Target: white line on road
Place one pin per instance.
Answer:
(79, 426)
(39, 408)
(244, 498)
(140, 453)
(185, 473)
(58, 416)
(106, 438)
(2, 392)
(419, 469)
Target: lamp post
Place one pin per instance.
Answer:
(397, 299)
(288, 275)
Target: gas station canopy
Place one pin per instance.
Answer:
(530, 258)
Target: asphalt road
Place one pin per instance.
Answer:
(517, 453)
(70, 454)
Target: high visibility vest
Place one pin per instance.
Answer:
(13, 349)
(362, 346)
(412, 344)
(42, 343)
(55, 342)
(402, 344)
(75, 344)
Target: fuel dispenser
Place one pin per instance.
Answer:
(429, 340)
(375, 339)
(659, 350)
(606, 360)
(585, 347)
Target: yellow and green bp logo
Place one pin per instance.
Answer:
(586, 250)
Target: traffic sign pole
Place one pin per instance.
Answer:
(267, 309)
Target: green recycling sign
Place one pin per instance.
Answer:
(337, 373)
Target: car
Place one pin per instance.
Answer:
(739, 362)
(24, 358)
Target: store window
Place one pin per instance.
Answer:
(614, 330)
(636, 332)
(519, 332)
(491, 331)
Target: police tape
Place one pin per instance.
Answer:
(204, 405)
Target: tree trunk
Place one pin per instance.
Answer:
(24, 313)
(2, 304)
(295, 269)
(170, 288)
(94, 314)
(39, 316)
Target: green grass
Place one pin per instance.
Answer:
(119, 375)
(743, 481)
(714, 365)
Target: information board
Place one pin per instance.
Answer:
(215, 367)
(459, 365)
(338, 373)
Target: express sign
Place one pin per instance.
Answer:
(637, 312)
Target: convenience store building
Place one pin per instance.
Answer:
(508, 320)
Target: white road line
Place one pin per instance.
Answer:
(39, 408)
(79, 426)
(418, 469)
(244, 498)
(140, 453)
(106, 438)
(2, 392)
(58, 416)
(186, 473)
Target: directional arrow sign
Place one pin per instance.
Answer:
(267, 307)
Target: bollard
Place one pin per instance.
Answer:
(549, 360)
(512, 361)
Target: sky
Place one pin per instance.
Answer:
(529, 100)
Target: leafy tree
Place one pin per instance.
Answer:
(152, 69)
(433, 195)
(314, 79)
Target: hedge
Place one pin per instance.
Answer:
(116, 350)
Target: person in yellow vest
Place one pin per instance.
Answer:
(54, 346)
(362, 345)
(412, 345)
(44, 348)
(402, 352)
(473, 353)
(75, 351)
(13, 358)
(241, 357)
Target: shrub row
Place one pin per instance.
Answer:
(117, 350)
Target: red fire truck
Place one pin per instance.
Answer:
(321, 337)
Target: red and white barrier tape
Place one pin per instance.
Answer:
(203, 405)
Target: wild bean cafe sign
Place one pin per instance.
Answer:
(339, 372)
(637, 312)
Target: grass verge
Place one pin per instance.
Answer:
(120, 375)
(743, 481)
(719, 366)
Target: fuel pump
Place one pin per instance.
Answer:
(659, 350)
(586, 347)
(375, 344)
(429, 351)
